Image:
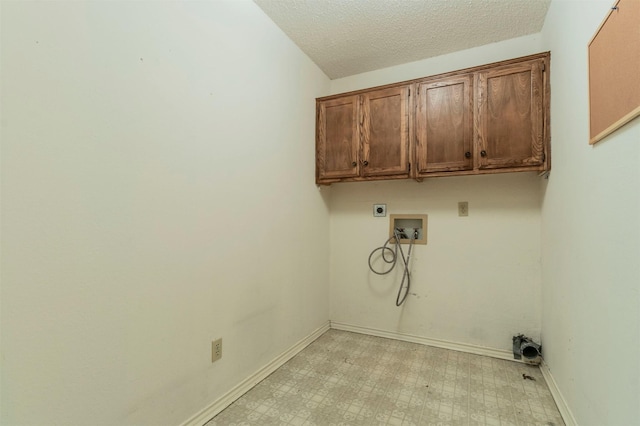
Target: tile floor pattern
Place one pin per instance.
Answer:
(345, 378)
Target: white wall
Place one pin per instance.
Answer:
(591, 237)
(508, 49)
(157, 174)
(477, 281)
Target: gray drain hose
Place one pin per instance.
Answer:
(401, 297)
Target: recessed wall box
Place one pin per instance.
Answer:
(409, 226)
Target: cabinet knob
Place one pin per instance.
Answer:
(483, 153)
(354, 164)
(467, 154)
(366, 163)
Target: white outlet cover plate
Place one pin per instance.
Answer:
(379, 210)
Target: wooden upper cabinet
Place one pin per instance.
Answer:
(385, 132)
(444, 125)
(510, 116)
(337, 138)
(492, 118)
(363, 137)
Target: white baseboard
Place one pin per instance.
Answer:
(563, 407)
(225, 400)
(461, 347)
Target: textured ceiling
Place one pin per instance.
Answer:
(347, 37)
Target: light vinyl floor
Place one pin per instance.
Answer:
(345, 378)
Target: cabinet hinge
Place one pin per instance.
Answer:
(544, 157)
(409, 92)
(409, 166)
(544, 67)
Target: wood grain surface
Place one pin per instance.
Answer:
(385, 132)
(337, 138)
(488, 119)
(614, 70)
(510, 116)
(444, 127)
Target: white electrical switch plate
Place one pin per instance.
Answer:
(463, 208)
(379, 210)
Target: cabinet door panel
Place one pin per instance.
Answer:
(444, 126)
(510, 116)
(385, 130)
(337, 143)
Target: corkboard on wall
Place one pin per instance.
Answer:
(614, 70)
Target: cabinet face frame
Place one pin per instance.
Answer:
(327, 162)
(445, 124)
(490, 120)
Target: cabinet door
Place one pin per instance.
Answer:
(510, 116)
(444, 125)
(337, 142)
(385, 132)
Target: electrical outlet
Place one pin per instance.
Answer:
(379, 210)
(216, 350)
(463, 208)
